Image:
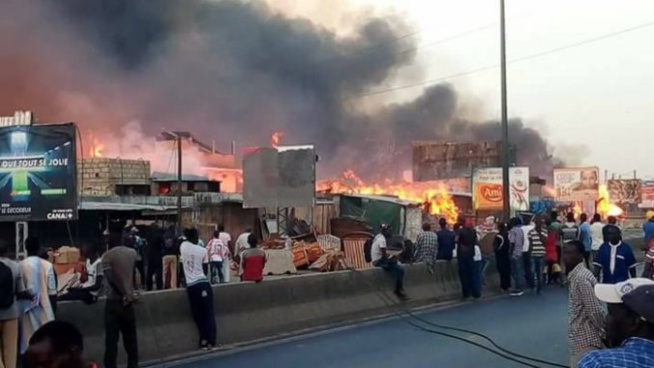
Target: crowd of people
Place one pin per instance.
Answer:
(590, 258)
(29, 293)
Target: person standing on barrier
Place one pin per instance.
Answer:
(516, 239)
(198, 288)
(469, 272)
(390, 264)
(501, 248)
(629, 326)
(427, 247)
(118, 268)
(585, 313)
(446, 241)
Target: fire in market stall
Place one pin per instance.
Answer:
(434, 196)
(97, 148)
(604, 205)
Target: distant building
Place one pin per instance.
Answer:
(216, 165)
(433, 160)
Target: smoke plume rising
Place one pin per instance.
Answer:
(227, 70)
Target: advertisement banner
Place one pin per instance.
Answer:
(624, 191)
(487, 188)
(38, 173)
(647, 194)
(576, 184)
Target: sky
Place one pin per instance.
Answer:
(593, 101)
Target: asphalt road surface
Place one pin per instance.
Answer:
(534, 325)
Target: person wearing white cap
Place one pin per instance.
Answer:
(629, 326)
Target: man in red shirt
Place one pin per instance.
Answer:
(253, 261)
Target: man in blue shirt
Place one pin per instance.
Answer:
(446, 241)
(648, 232)
(629, 326)
(615, 261)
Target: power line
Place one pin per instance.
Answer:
(528, 57)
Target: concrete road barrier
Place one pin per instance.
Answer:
(249, 311)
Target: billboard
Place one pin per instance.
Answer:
(647, 194)
(487, 188)
(279, 177)
(576, 184)
(625, 191)
(38, 173)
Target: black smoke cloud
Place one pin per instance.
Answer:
(227, 70)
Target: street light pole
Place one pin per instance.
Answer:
(179, 182)
(506, 199)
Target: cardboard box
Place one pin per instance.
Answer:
(67, 254)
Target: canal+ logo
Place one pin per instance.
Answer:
(60, 215)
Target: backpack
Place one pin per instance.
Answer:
(569, 233)
(7, 295)
(367, 250)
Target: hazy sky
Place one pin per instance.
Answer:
(594, 102)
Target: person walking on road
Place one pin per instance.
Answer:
(427, 247)
(39, 278)
(629, 326)
(118, 268)
(516, 239)
(597, 235)
(12, 290)
(586, 315)
(469, 273)
(198, 288)
(555, 227)
(502, 248)
(586, 238)
(390, 264)
(446, 241)
(615, 261)
(242, 242)
(537, 237)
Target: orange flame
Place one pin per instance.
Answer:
(276, 138)
(604, 205)
(96, 147)
(433, 196)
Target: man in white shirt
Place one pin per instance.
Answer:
(526, 255)
(224, 236)
(596, 235)
(200, 294)
(242, 242)
(381, 259)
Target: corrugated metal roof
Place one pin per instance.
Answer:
(159, 176)
(114, 206)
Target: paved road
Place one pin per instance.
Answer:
(532, 325)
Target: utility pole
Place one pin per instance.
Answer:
(506, 193)
(179, 182)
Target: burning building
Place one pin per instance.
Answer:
(216, 165)
(433, 160)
